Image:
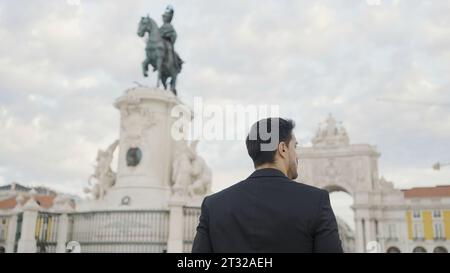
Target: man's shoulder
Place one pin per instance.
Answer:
(302, 189)
(295, 187)
(308, 188)
(225, 192)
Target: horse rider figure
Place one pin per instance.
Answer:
(169, 34)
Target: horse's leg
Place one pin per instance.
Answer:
(145, 64)
(158, 80)
(159, 66)
(173, 83)
(173, 69)
(165, 83)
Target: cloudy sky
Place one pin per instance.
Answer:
(381, 67)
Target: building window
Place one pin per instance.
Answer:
(437, 214)
(418, 231)
(438, 231)
(416, 214)
(392, 231)
(3, 229)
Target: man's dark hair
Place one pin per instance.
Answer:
(255, 140)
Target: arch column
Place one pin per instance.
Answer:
(359, 238)
(368, 230)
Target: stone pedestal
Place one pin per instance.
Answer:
(63, 227)
(11, 236)
(145, 150)
(176, 226)
(27, 241)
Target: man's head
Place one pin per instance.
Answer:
(168, 15)
(272, 143)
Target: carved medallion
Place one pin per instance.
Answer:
(134, 156)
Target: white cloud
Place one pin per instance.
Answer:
(62, 66)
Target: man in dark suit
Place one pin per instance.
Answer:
(268, 211)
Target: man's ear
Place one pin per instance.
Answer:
(282, 149)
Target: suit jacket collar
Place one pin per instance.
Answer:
(267, 172)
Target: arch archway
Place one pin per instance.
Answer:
(419, 249)
(332, 188)
(332, 163)
(393, 249)
(440, 249)
(342, 202)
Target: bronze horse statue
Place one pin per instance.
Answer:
(160, 54)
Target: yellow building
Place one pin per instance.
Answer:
(427, 220)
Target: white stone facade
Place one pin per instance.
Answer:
(165, 165)
(334, 164)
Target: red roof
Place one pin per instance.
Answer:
(45, 201)
(8, 203)
(423, 192)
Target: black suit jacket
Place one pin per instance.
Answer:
(268, 213)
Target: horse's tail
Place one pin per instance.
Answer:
(180, 63)
(177, 62)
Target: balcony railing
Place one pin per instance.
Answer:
(391, 239)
